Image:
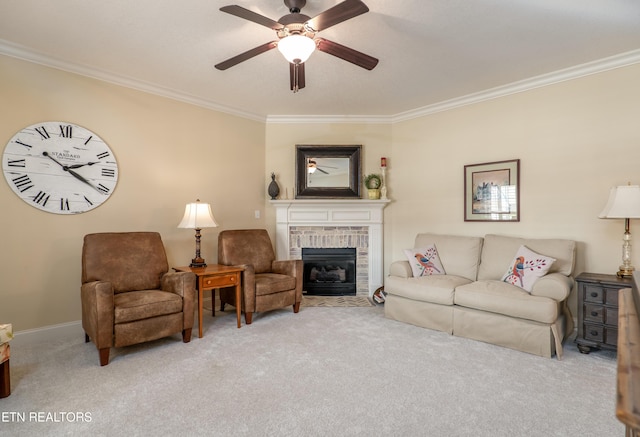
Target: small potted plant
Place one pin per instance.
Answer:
(373, 182)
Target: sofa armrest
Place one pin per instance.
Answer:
(401, 269)
(98, 312)
(553, 285)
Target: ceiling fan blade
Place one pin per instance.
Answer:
(296, 77)
(241, 12)
(246, 55)
(321, 170)
(346, 53)
(337, 14)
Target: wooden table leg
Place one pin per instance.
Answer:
(200, 299)
(5, 380)
(238, 301)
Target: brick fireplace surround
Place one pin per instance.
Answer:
(335, 223)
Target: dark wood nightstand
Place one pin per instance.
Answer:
(598, 310)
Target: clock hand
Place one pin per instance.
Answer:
(73, 173)
(45, 153)
(81, 165)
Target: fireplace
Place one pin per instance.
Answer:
(334, 223)
(329, 271)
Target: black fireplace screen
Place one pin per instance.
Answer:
(329, 271)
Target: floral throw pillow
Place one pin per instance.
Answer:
(424, 261)
(526, 268)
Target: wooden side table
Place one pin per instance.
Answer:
(212, 277)
(598, 310)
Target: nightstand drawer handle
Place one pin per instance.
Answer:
(594, 332)
(594, 313)
(594, 294)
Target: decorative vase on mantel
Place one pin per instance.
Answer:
(273, 189)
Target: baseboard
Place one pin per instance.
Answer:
(61, 332)
(48, 334)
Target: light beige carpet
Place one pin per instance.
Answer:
(335, 301)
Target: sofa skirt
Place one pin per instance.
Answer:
(419, 313)
(523, 335)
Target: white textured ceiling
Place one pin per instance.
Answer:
(430, 51)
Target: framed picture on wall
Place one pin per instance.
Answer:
(492, 191)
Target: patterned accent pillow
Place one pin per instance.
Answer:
(526, 268)
(424, 261)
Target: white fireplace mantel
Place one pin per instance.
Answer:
(334, 212)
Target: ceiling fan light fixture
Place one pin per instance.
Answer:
(296, 48)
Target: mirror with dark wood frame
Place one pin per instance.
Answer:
(328, 171)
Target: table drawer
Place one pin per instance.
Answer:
(219, 281)
(593, 294)
(594, 313)
(601, 334)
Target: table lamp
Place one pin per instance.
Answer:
(624, 203)
(197, 216)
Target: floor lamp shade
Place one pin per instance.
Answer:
(197, 216)
(624, 203)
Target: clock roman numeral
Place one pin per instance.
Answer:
(103, 189)
(103, 155)
(23, 183)
(41, 198)
(64, 204)
(88, 139)
(43, 132)
(87, 200)
(66, 131)
(108, 172)
(23, 144)
(17, 163)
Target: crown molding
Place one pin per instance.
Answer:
(16, 51)
(617, 61)
(575, 72)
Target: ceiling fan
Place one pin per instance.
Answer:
(312, 166)
(297, 38)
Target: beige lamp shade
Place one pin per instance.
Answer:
(624, 202)
(197, 216)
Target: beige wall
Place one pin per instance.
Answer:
(169, 154)
(574, 139)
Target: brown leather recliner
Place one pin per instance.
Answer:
(267, 284)
(128, 296)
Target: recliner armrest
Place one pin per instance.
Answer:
(179, 283)
(291, 267)
(98, 312)
(184, 285)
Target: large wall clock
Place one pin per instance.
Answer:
(60, 167)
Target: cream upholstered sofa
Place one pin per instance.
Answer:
(471, 299)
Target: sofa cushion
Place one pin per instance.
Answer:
(434, 289)
(498, 250)
(526, 268)
(502, 298)
(460, 256)
(424, 261)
